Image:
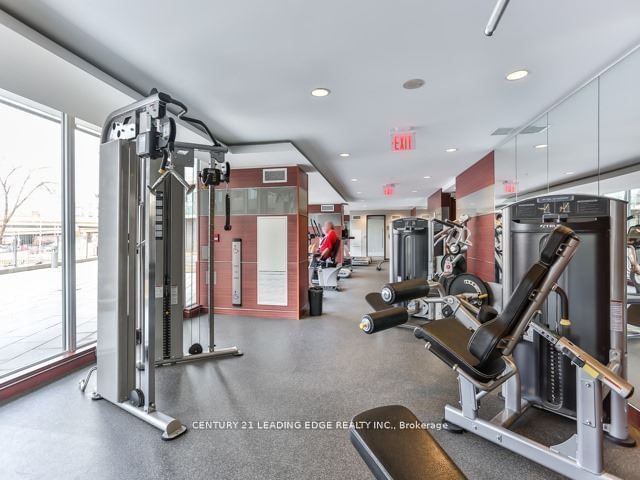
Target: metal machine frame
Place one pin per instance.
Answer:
(138, 168)
(581, 455)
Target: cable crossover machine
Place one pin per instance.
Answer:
(141, 277)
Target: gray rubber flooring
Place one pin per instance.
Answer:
(318, 369)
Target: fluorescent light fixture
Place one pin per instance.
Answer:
(354, 179)
(345, 155)
(320, 92)
(517, 75)
(451, 150)
(542, 145)
(569, 173)
(414, 191)
(427, 176)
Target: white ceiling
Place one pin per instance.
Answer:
(283, 154)
(592, 132)
(46, 79)
(249, 69)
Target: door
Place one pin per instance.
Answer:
(375, 236)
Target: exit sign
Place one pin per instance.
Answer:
(401, 141)
(509, 187)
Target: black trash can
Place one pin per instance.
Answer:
(315, 301)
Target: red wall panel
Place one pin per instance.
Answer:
(478, 176)
(480, 257)
(245, 228)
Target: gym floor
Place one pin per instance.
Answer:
(321, 368)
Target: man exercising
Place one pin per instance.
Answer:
(329, 241)
(327, 245)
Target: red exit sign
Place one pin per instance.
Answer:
(401, 141)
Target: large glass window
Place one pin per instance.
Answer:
(87, 156)
(31, 317)
(190, 240)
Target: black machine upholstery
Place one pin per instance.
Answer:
(335, 250)
(476, 352)
(400, 453)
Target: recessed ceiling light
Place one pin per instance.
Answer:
(345, 155)
(320, 92)
(517, 75)
(569, 173)
(414, 191)
(413, 83)
(354, 179)
(359, 193)
(427, 176)
(542, 145)
(451, 150)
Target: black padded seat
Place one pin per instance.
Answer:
(449, 341)
(400, 453)
(477, 352)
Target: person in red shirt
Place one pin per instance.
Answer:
(329, 241)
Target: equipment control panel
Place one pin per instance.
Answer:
(561, 206)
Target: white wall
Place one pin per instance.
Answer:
(361, 225)
(37, 69)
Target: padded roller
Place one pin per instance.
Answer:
(384, 319)
(404, 291)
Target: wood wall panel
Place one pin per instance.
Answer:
(478, 176)
(245, 228)
(434, 201)
(480, 257)
(252, 177)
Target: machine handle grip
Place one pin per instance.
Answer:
(403, 291)
(227, 212)
(595, 369)
(451, 223)
(383, 319)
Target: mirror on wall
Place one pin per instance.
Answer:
(573, 143)
(531, 159)
(506, 183)
(587, 144)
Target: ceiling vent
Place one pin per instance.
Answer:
(503, 131)
(533, 129)
(274, 175)
(327, 208)
(525, 131)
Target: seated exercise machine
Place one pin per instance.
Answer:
(501, 352)
(417, 244)
(141, 261)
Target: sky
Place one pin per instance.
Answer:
(33, 144)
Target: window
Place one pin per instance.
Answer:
(191, 240)
(31, 318)
(87, 157)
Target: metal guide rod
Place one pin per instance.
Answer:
(212, 273)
